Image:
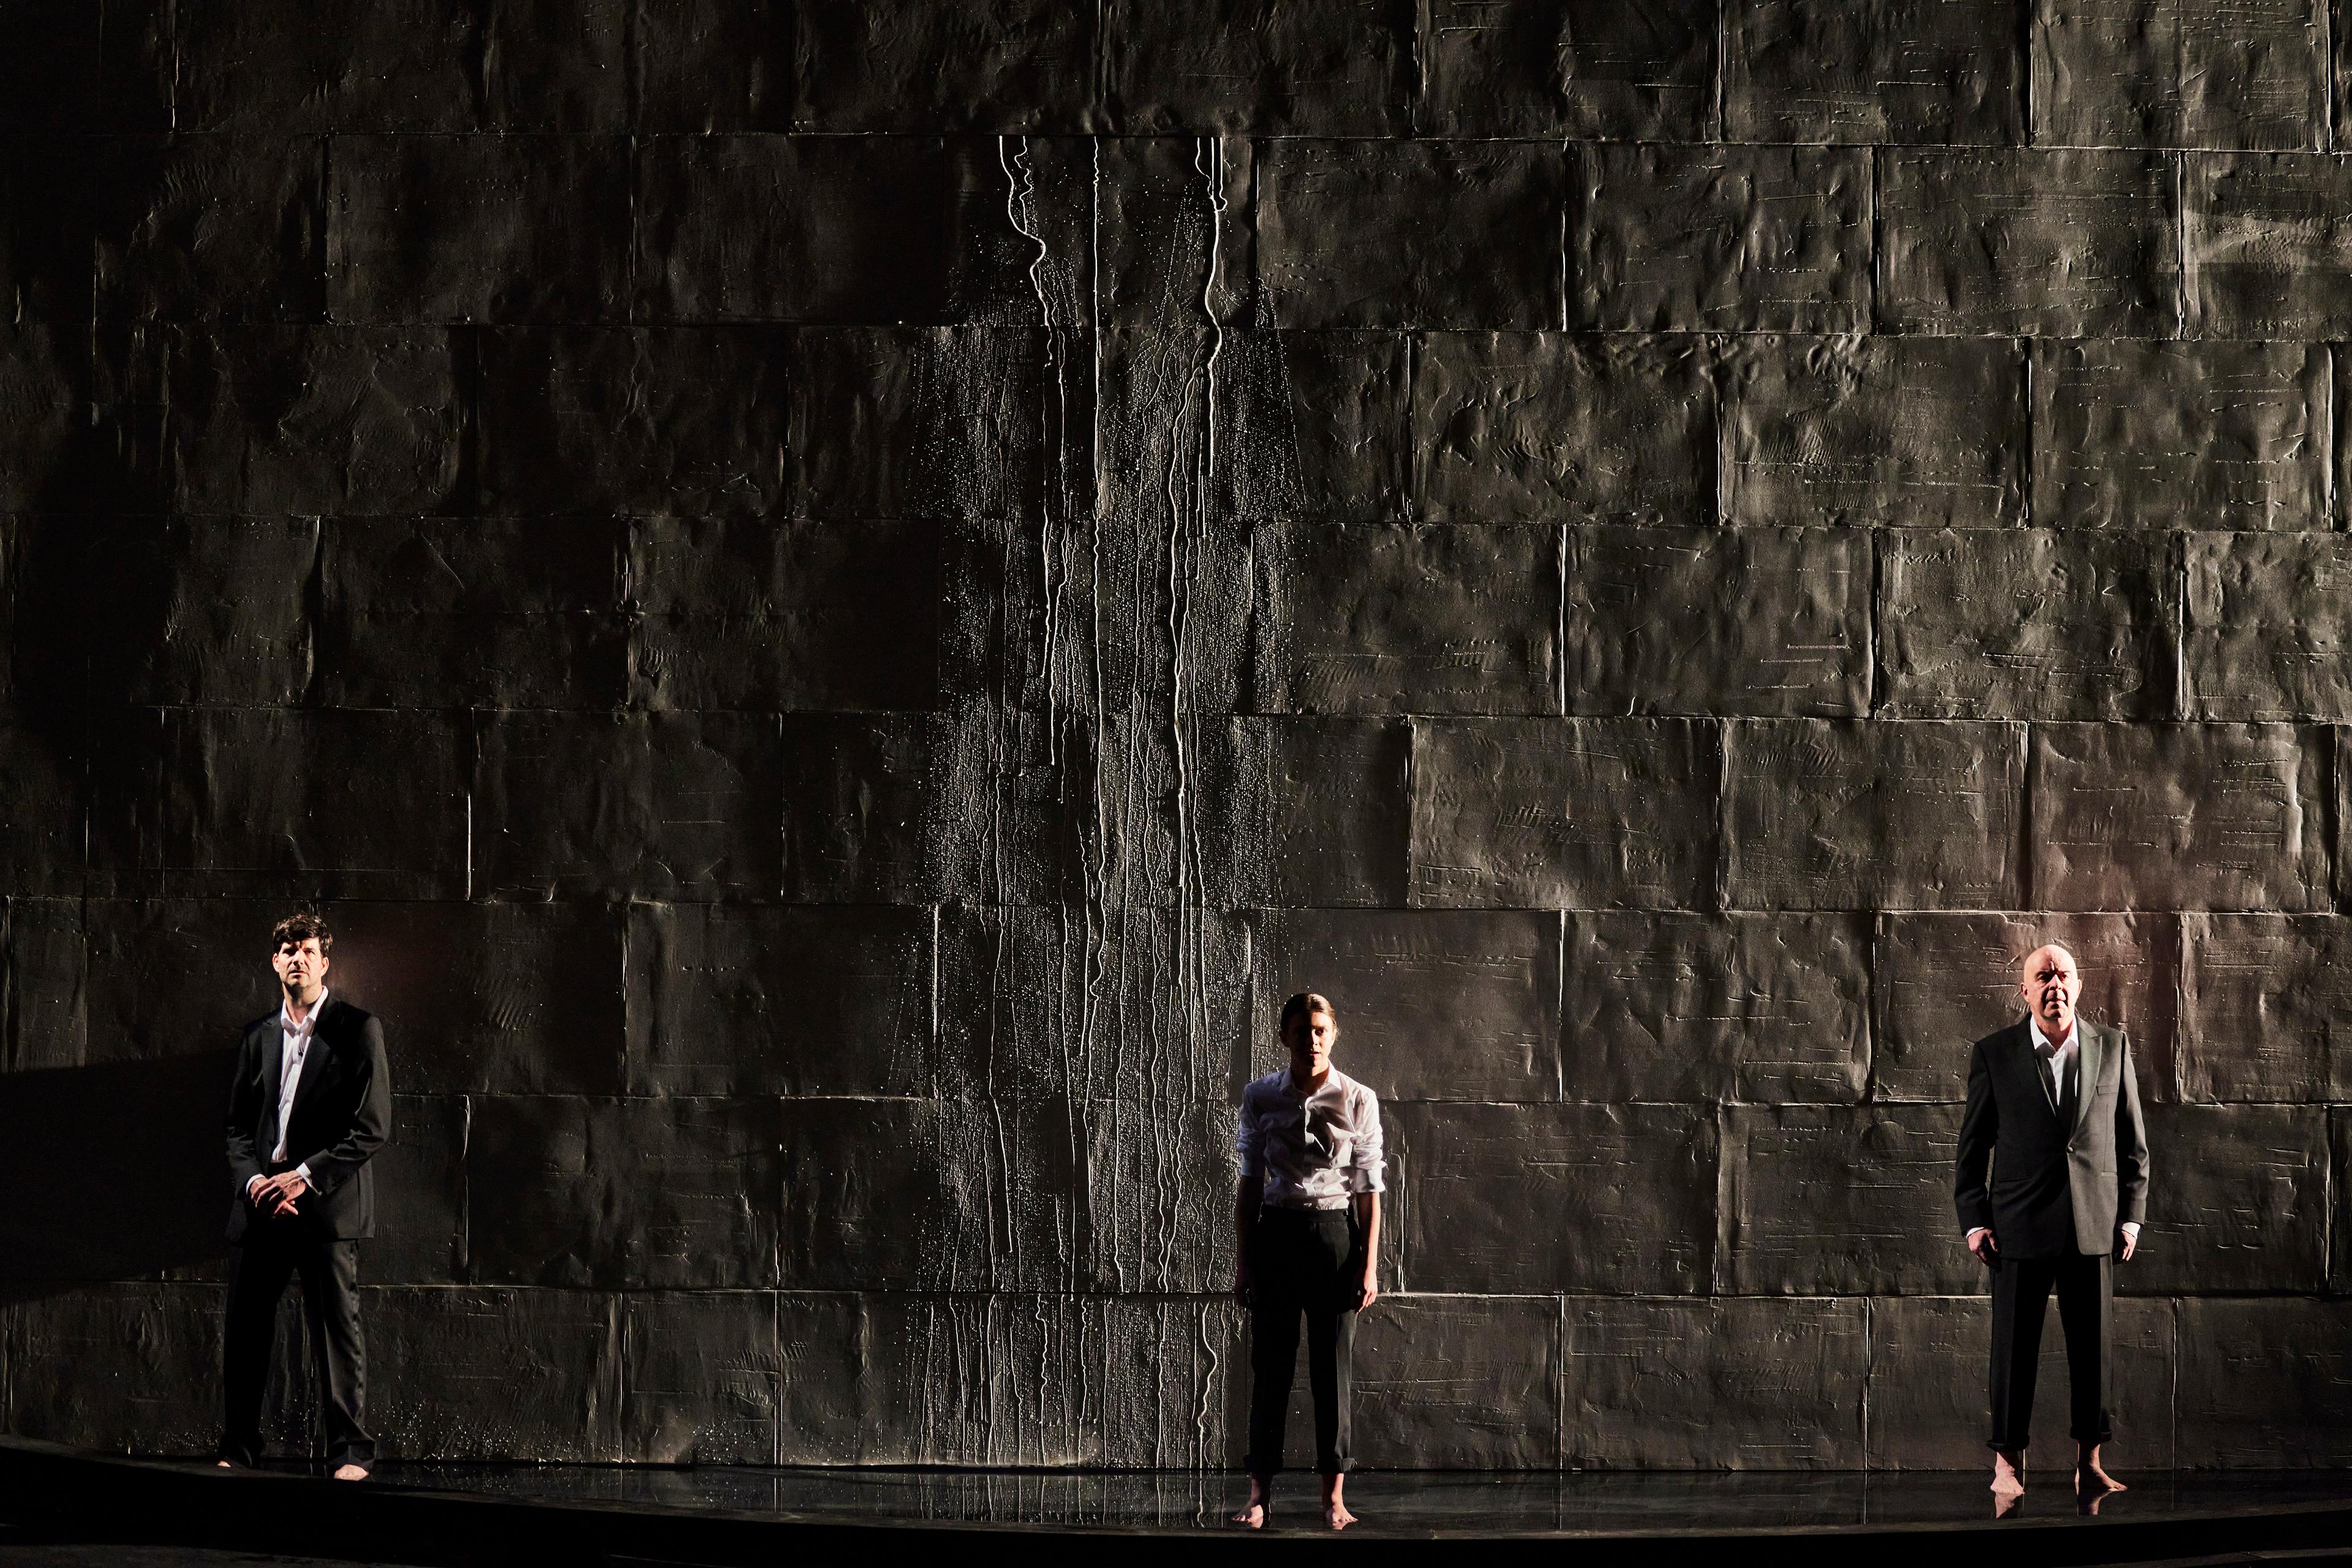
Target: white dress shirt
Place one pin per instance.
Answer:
(290, 1057)
(1313, 1151)
(2066, 1061)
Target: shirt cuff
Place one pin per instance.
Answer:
(304, 1171)
(2131, 1229)
(1979, 1230)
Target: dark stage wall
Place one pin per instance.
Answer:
(837, 601)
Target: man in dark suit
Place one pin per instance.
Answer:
(2053, 1106)
(311, 1103)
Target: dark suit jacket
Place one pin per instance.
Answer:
(342, 1114)
(2052, 1189)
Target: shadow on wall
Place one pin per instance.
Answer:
(111, 1171)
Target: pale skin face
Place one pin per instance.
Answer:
(1309, 1040)
(2050, 985)
(301, 971)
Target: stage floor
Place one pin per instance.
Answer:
(1395, 1501)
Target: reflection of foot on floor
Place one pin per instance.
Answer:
(2005, 1503)
(2007, 1475)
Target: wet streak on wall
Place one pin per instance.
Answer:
(838, 600)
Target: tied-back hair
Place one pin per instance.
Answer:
(300, 927)
(1302, 1004)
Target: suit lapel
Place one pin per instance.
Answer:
(273, 1073)
(2086, 1082)
(314, 1059)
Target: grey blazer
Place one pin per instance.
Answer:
(2046, 1187)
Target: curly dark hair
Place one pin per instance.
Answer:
(302, 926)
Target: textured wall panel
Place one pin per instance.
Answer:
(2181, 817)
(665, 804)
(699, 1378)
(1434, 1005)
(1341, 817)
(2264, 1383)
(1510, 425)
(284, 803)
(1618, 1199)
(1731, 239)
(1409, 620)
(1012, 65)
(895, 1194)
(2028, 623)
(2264, 625)
(2237, 1201)
(1581, 813)
(1940, 982)
(675, 419)
(2114, 74)
(908, 424)
(1913, 815)
(472, 1374)
(202, 227)
(1874, 429)
(1702, 620)
(1298, 67)
(1930, 1407)
(131, 1368)
(738, 613)
(1839, 1200)
(1331, 257)
(1888, 71)
(43, 984)
(1724, 1385)
(345, 66)
(1451, 1383)
(622, 1193)
(472, 229)
(2265, 254)
(269, 419)
(726, 1000)
(1132, 1005)
(83, 425)
(714, 64)
(2212, 434)
(2059, 243)
(41, 831)
(812, 228)
(2266, 1009)
(420, 1176)
(1715, 1007)
(1323, 434)
(1010, 1380)
(424, 612)
(1641, 68)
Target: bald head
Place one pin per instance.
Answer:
(2050, 984)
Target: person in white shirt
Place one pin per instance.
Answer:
(2051, 1184)
(309, 1106)
(1306, 1243)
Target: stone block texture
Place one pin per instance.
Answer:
(837, 601)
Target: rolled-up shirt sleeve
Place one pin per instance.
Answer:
(1249, 1141)
(1366, 1158)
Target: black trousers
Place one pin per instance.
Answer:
(1304, 1263)
(2087, 1309)
(274, 1251)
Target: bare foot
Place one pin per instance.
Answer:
(2092, 1477)
(2005, 1503)
(1335, 1514)
(1253, 1515)
(351, 1472)
(2008, 1476)
(224, 1463)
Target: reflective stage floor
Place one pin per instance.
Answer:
(1605, 1502)
(614, 1517)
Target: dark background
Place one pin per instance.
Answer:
(837, 600)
